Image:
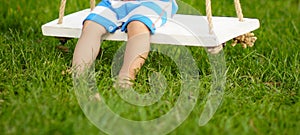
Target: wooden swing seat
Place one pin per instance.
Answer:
(189, 30)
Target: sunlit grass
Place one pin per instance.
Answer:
(262, 88)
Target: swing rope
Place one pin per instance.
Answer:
(62, 11)
(238, 10)
(92, 4)
(245, 40)
(63, 6)
(209, 16)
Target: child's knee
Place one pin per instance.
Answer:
(136, 27)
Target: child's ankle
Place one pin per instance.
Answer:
(124, 81)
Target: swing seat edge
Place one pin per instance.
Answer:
(187, 30)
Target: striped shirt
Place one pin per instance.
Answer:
(114, 14)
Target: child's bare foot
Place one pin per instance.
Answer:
(123, 82)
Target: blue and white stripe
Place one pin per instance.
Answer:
(117, 14)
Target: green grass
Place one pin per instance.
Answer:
(262, 89)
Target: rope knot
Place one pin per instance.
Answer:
(245, 40)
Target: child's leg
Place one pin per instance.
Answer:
(137, 49)
(88, 46)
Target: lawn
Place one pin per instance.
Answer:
(262, 94)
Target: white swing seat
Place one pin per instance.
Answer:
(188, 30)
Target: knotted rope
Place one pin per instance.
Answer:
(245, 40)
(63, 6)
